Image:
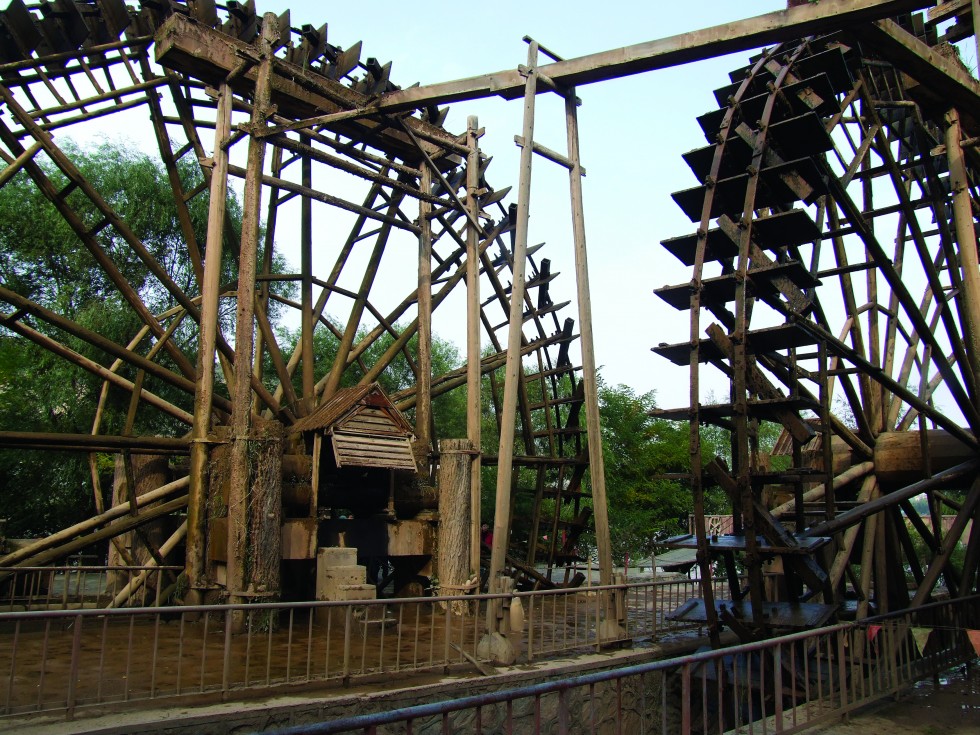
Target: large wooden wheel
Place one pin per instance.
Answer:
(352, 190)
(835, 283)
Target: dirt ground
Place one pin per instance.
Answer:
(949, 706)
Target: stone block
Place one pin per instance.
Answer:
(336, 556)
(329, 580)
(353, 592)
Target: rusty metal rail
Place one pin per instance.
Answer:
(64, 660)
(70, 587)
(781, 685)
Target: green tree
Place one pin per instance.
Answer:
(644, 507)
(42, 258)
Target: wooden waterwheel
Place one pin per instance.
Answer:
(330, 183)
(834, 283)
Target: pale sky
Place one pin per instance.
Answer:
(633, 132)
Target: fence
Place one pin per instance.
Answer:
(781, 685)
(72, 587)
(61, 660)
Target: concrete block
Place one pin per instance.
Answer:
(329, 580)
(336, 556)
(353, 592)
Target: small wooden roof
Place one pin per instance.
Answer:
(347, 403)
(365, 429)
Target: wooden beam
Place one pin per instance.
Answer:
(743, 35)
(942, 81)
(212, 56)
(93, 442)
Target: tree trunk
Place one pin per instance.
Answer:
(454, 518)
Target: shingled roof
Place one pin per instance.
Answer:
(349, 401)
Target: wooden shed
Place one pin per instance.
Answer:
(364, 428)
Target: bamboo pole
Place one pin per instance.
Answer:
(240, 479)
(195, 563)
(139, 580)
(27, 553)
(513, 367)
(474, 413)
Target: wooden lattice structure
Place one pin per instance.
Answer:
(835, 249)
(834, 282)
(215, 81)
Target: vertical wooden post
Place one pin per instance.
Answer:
(454, 517)
(975, 10)
(597, 470)
(966, 238)
(423, 391)
(474, 412)
(513, 367)
(240, 479)
(204, 393)
(306, 268)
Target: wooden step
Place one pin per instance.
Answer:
(729, 194)
(751, 108)
(770, 339)
(728, 542)
(801, 136)
(792, 228)
(722, 289)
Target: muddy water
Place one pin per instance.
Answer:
(949, 705)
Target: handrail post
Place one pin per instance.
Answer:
(76, 648)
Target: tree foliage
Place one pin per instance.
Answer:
(43, 259)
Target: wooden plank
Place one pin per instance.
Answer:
(941, 81)
(211, 56)
(373, 451)
(751, 33)
(947, 10)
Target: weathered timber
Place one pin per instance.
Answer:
(29, 553)
(454, 518)
(954, 476)
(900, 458)
(940, 80)
(211, 56)
(93, 442)
(831, 15)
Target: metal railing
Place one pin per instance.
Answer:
(781, 685)
(68, 659)
(649, 603)
(72, 587)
